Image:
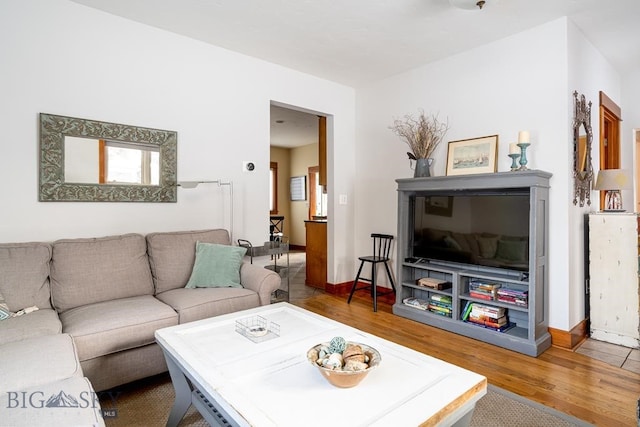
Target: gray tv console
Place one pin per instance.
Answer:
(530, 334)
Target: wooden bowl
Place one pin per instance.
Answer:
(340, 378)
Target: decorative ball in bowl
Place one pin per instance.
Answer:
(344, 364)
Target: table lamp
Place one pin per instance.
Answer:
(612, 181)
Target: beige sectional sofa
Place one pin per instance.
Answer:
(107, 296)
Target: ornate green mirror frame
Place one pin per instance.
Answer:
(54, 187)
(582, 140)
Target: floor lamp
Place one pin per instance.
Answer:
(194, 184)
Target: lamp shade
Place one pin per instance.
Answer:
(613, 179)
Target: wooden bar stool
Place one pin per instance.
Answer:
(381, 249)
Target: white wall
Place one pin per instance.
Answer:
(54, 61)
(630, 100)
(218, 101)
(589, 73)
(518, 83)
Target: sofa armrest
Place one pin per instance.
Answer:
(260, 280)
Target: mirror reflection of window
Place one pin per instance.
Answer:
(127, 164)
(93, 161)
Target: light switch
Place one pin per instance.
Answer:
(342, 199)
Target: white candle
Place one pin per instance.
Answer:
(523, 137)
(513, 148)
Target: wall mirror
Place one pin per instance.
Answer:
(90, 161)
(582, 140)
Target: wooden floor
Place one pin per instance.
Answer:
(589, 389)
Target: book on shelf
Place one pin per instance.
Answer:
(513, 296)
(515, 301)
(433, 283)
(446, 299)
(488, 321)
(503, 328)
(416, 303)
(489, 310)
(476, 310)
(485, 286)
(440, 304)
(466, 310)
(514, 292)
(439, 310)
(482, 295)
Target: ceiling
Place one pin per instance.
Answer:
(358, 41)
(291, 128)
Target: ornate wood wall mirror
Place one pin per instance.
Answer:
(582, 140)
(90, 161)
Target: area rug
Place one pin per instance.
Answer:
(147, 403)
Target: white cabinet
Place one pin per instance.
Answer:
(613, 278)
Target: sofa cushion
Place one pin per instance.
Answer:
(216, 266)
(116, 325)
(450, 242)
(24, 281)
(172, 255)
(36, 361)
(43, 405)
(435, 235)
(512, 250)
(38, 323)
(463, 241)
(87, 271)
(200, 303)
(488, 246)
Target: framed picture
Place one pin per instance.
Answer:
(469, 156)
(438, 205)
(298, 188)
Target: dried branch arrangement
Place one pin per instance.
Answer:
(421, 134)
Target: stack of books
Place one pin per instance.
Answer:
(433, 283)
(486, 316)
(440, 304)
(483, 290)
(514, 296)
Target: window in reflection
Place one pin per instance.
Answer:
(126, 164)
(99, 161)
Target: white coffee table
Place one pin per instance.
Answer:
(231, 379)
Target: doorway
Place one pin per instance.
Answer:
(297, 142)
(610, 118)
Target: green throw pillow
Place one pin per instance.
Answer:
(216, 266)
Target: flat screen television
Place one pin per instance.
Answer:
(489, 229)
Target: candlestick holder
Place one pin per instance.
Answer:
(514, 161)
(523, 155)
